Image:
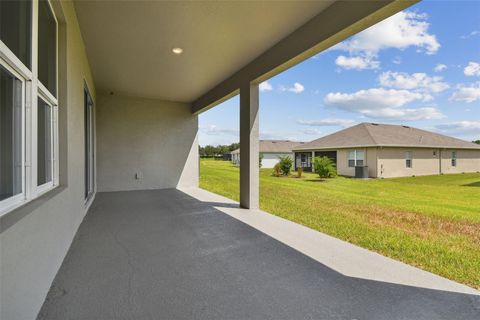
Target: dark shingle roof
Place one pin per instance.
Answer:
(386, 135)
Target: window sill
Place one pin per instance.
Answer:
(22, 209)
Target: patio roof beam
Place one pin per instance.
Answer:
(331, 26)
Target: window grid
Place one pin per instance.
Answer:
(33, 90)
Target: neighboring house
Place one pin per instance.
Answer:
(391, 151)
(271, 151)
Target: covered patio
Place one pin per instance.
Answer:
(121, 230)
(172, 254)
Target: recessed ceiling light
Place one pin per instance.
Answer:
(177, 50)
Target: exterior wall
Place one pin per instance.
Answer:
(371, 161)
(271, 159)
(236, 158)
(391, 162)
(35, 237)
(467, 161)
(154, 140)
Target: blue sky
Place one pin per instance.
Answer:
(420, 67)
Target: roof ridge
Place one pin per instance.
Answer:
(369, 133)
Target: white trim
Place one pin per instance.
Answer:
(32, 90)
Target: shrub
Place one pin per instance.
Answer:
(277, 171)
(260, 158)
(299, 172)
(325, 167)
(286, 164)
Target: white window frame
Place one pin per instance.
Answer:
(13, 201)
(454, 159)
(408, 157)
(32, 90)
(355, 157)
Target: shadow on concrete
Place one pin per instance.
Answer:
(162, 254)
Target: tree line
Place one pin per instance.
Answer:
(211, 151)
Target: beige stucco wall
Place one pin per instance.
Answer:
(35, 238)
(467, 161)
(156, 139)
(392, 162)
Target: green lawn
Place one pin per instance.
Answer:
(430, 222)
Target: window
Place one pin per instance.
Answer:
(47, 47)
(44, 143)
(11, 136)
(408, 159)
(454, 158)
(89, 145)
(28, 103)
(16, 29)
(356, 158)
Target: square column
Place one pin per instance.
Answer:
(249, 146)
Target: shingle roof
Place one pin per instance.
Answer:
(276, 146)
(385, 135)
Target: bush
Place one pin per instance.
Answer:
(260, 158)
(299, 172)
(325, 167)
(277, 171)
(286, 164)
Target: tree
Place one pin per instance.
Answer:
(260, 158)
(476, 141)
(286, 164)
(325, 167)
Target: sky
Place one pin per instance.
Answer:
(420, 67)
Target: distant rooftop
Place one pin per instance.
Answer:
(276, 146)
(386, 135)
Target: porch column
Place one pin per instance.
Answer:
(249, 164)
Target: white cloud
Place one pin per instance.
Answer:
(214, 130)
(439, 67)
(473, 69)
(265, 86)
(467, 93)
(471, 34)
(311, 131)
(297, 88)
(327, 122)
(461, 127)
(383, 104)
(357, 63)
(402, 30)
(415, 81)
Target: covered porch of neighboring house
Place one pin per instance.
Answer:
(122, 231)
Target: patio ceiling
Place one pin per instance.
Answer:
(129, 43)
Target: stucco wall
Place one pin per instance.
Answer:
(152, 138)
(392, 162)
(467, 161)
(271, 159)
(35, 238)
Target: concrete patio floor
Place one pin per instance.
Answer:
(171, 254)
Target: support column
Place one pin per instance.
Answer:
(249, 163)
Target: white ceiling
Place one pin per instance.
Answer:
(129, 43)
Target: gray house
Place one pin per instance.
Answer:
(271, 151)
(391, 151)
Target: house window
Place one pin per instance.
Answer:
(356, 158)
(408, 159)
(44, 143)
(16, 29)
(11, 137)
(89, 145)
(47, 47)
(454, 158)
(28, 103)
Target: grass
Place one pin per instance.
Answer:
(430, 222)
